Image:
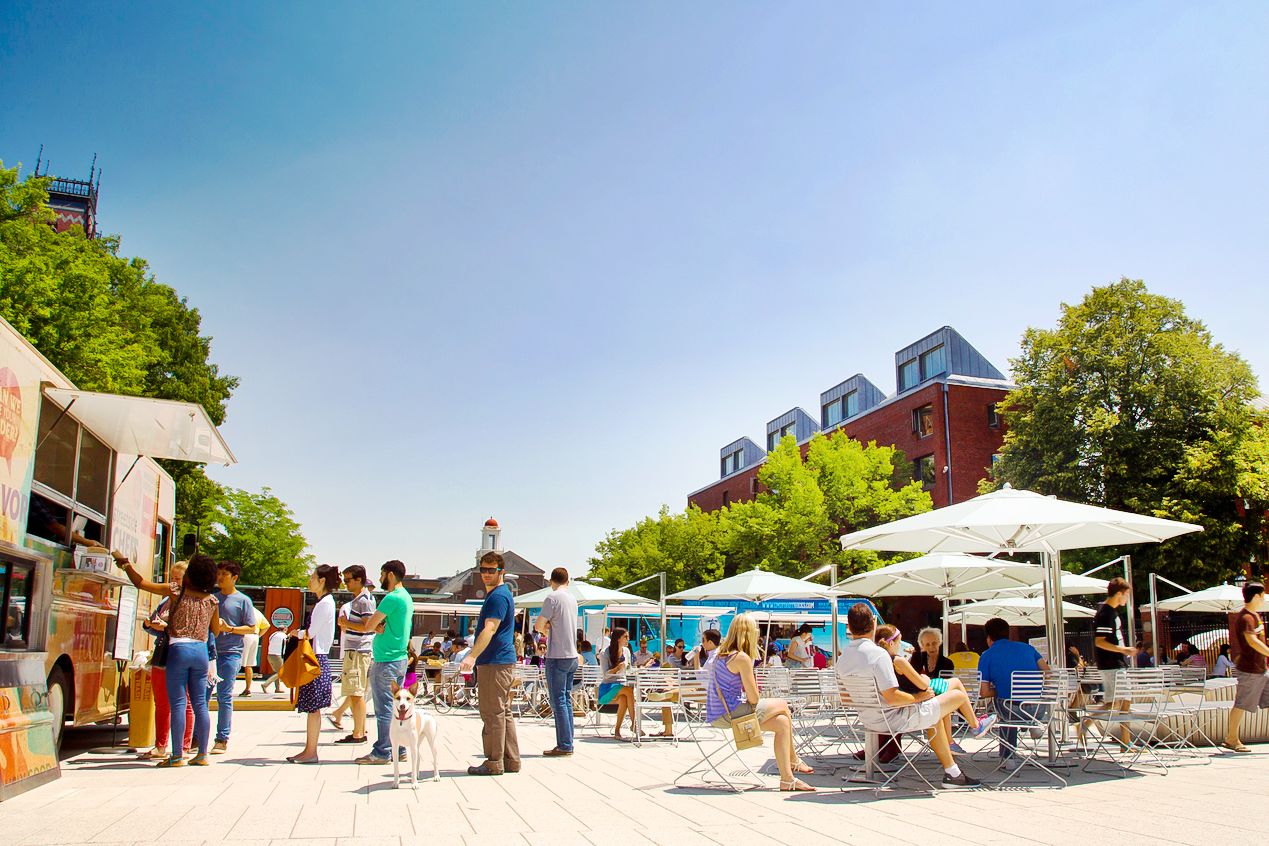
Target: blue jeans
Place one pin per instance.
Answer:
(383, 674)
(227, 666)
(559, 684)
(186, 670)
(1017, 712)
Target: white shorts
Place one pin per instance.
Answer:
(918, 717)
(250, 650)
(1108, 686)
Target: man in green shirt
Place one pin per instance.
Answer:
(395, 615)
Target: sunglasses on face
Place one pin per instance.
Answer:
(488, 571)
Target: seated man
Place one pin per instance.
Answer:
(996, 667)
(904, 711)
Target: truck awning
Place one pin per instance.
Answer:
(154, 428)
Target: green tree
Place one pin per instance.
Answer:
(103, 319)
(685, 546)
(260, 533)
(1131, 404)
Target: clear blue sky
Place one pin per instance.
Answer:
(541, 261)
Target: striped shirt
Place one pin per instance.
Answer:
(359, 610)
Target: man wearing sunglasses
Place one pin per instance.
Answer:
(495, 654)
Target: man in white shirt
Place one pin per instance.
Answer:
(274, 656)
(558, 621)
(903, 711)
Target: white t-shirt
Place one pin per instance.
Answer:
(862, 657)
(799, 655)
(774, 661)
(276, 642)
(321, 625)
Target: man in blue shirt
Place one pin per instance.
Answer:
(495, 654)
(996, 667)
(237, 618)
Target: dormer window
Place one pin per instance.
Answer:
(909, 374)
(934, 362)
(733, 461)
(774, 438)
(842, 408)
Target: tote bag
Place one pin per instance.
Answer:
(300, 667)
(745, 729)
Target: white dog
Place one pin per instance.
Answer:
(410, 727)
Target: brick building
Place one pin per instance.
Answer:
(73, 201)
(942, 415)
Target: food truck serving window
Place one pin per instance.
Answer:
(18, 581)
(71, 490)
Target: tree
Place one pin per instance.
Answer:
(685, 546)
(102, 319)
(1131, 404)
(260, 533)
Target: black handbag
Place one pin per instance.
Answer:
(158, 657)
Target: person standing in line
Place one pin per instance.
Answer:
(251, 650)
(388, 654)
(158, 680)
(311, 698)
(356, 648)
(238, 619)
(1247, 643)
(277, 640)
(494, 653)
(558, 622)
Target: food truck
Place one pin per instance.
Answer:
(77, 478)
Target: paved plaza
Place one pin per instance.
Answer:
(608, 793)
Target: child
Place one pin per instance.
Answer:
(411, 680)
(888, 638)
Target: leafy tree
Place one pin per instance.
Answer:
(258, 531)
(684, 545)
(102, 319)
(1131, 404)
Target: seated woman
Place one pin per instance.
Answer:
(1224, 666)
(929, 659)
(910, 681)
(733, 692)
(613, 664)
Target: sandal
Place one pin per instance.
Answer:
(335, 721)
(802, 767)
(795, 786)
(171, 762)
(1235, 748)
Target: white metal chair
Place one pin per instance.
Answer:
(1128, 738)
(720, 765)
(1024, 720)
(863, 697)
(657, 691)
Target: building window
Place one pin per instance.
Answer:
(832, 413)
(993, 416)
(774, 438)
(726, 498)
(851, 401)
(733, 461)
(923, 421)
(909, 374)
(923, 470)
(933, 363)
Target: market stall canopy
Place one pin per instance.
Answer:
(944, 575)
(585, 594)
(1222, 599)
(1011, 520)
(755, 586)
(462, 609)
(1073, 584)
(154, 428)
(1016, 611)
(651, 609)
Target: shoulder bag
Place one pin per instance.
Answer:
(300, 667)
(158, 657)
(745, 729)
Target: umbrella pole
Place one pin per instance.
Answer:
(1053, 611)
(947, 607)
(832, 585)
(1154, 618)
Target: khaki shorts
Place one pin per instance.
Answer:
(353, 681)
(250, 650)
(1253, 691)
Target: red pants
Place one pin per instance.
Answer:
(163, 714)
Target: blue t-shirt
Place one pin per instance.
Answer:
(235, 610)
(499, 605)
(1002, 658)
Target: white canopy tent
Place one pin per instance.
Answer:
(585, 594)
(1011, 520)
(1016, 611)
(648, 609)
(1073, 584)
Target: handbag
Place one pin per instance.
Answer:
(745, 729)
(300, 667)
(158, 657)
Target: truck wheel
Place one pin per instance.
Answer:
(59, 692)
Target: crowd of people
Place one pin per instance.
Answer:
(209, 630)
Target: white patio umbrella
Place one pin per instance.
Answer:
(946, 576)
(1073, 584)
(757, 586)
(1011, 520)
(1014, 610)
(1222, 599)
(585, 594)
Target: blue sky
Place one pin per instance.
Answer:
(541, 261)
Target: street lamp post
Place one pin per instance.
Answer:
(831, 569)
(660, 599)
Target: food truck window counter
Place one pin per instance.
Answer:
(27, 754)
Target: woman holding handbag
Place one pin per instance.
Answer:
(157, 626)
(732, 694)
(186, 650)
(316, 694)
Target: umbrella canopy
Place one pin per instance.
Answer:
(945, 575)
(1016, 611)
(1222, 599)
(1014, 520)
(1073, 584)
(755, 586)
(1206, 640)
(584, 593)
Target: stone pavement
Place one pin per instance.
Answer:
(608, 793)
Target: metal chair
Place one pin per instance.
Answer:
(1024, 720)
(1127, 738)
(720, 765)
(657, 689)
(876, 718)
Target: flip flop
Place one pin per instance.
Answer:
(1232, 748)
